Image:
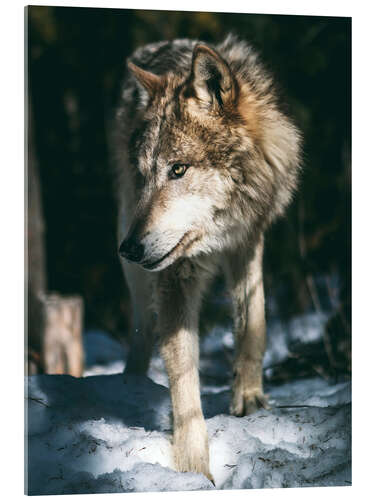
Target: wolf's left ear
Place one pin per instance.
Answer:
(148, 80)
(211, 78)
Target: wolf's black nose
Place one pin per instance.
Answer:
(131, 250)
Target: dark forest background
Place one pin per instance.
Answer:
(76, 58)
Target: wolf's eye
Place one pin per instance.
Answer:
(178, 170)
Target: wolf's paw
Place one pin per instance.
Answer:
(245, 402)
(190, 449)
(192, 460)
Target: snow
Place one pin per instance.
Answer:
(104, 433)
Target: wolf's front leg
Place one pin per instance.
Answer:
(178, 310)
(245, 279)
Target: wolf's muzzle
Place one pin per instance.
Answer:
(132, 250)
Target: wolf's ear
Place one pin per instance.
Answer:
(148, 80)
(211, 78)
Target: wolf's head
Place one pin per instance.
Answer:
(214, 159)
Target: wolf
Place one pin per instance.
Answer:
(206, 159)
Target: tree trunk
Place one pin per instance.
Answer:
(62, 350)
(54, 330)
(35, 264)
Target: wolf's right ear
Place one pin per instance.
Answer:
(211, 78)
(148, 80)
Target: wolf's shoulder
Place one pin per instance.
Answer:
(246, 63)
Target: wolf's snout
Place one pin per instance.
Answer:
(132, 250)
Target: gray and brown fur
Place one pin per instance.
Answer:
(212, 110)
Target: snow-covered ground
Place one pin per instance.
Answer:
(103, 433)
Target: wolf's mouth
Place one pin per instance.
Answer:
(153, 265)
